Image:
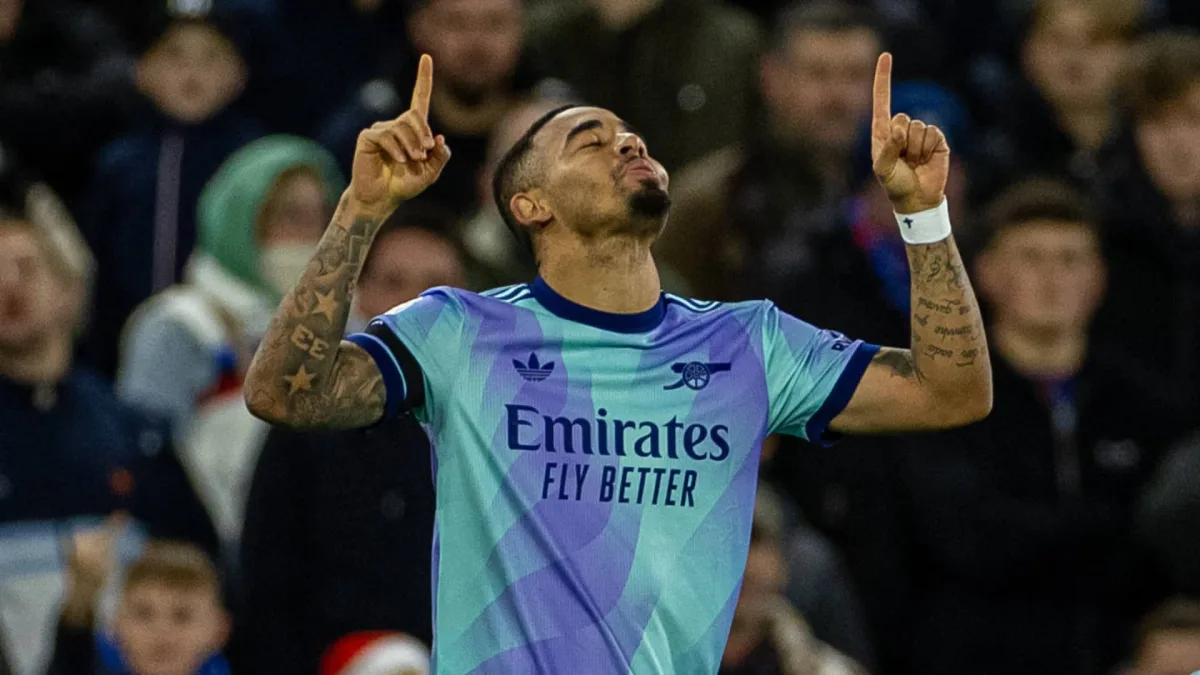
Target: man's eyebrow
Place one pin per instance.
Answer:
(582, 127)
(629, 129)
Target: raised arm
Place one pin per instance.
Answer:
(945, 378)
(303, 374)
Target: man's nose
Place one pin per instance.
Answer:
(631, 144)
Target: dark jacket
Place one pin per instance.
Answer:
(139, 215)
(67, 87)
(684, 75)
(1025, 139)
(1023, 526)
(338, 538)
(89, 454)
(1151, 316)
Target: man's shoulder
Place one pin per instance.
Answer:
(692, 309)
(464, 302)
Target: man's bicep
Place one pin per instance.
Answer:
(890, 397)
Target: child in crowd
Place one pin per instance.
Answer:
(139, 214)
(169, 621)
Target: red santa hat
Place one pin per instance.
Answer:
(376, 653)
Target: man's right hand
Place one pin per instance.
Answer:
(396, 160)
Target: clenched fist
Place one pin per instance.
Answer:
(396, 160)
(911, 159)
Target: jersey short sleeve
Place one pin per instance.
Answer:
(416, 346)
(811, 374)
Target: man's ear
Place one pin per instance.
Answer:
(530, 210)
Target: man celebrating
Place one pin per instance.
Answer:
(597, 440)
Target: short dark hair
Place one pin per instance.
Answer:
(1161, 70)
(1178, 615)
(513, 174)
(822, 16)
(1047, 199)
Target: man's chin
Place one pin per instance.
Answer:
(650, 201)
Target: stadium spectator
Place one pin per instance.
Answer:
(325, 50)
(69, 451)
(819, 585)
(477, 47)
(1167, 642)
(169, 619)
(67, 86)
(1151, 194)
(1023, 521)
(140, 211)
(734, 204)
(1058, 116)
(1169, 516)
(680, 71)
(768, 635)
(187, 348)
(499, 256)
(339, 526)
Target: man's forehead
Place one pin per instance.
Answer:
(562, 124)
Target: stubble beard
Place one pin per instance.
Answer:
(648, 208)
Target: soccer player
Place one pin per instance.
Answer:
(596, 440)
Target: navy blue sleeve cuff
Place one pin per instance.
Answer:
(817, 428)
(389, 367)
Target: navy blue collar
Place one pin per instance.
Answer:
(620, 323)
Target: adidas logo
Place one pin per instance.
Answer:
(534, 371)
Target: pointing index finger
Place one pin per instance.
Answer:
(882, 116)
(424, 87)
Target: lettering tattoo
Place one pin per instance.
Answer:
(965, 331)
(303, 375)
(941, 308)
(935, 351)
(946, 328)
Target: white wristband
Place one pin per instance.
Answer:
(925, 227)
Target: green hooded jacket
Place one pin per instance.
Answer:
(229, 206)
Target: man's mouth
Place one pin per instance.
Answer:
(640, 168)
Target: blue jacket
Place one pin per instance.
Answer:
(140, 214)
(82, 652)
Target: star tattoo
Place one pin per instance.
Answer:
(326, 304)
(301, 381)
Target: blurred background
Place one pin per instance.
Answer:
(166, 169)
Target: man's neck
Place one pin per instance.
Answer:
(45, 364)
(1050, 354)
(617, 275)
(460, 118)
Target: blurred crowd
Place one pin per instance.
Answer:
(168, 166)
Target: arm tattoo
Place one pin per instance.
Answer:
(302, 375)
(947, 355)
(948, 351)
(900, 361)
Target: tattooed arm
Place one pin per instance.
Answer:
(303, 374)
(944, 379)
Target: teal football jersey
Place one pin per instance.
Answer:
(595, 472)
